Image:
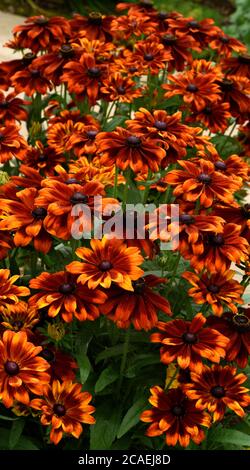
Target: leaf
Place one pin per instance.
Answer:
(231, 436)
(103, 433)
(107, 377)
(8, 418)
(16, 432)
(84, 365)
(132, 417)
(114, 122)
(113, 351)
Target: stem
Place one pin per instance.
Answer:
(115, 182)
(125, 194)
(124, 357)
(174, 272)
(147, 189)
(172, 379)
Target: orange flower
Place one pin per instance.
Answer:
(62, 366)
(105, 262)
(239, 66)
(127, 149)
(27, 218)
(11, 143)
(225, 45)
(176, 416)
(217, 388)
(30, 81)
(237, 329)
(94, 26)
(123, 27)
(235, 91)
(21, 370)
(179, 47)
(6, 243)
(39, 33)
(139, 307)
(82, 139)
(197, 89)
(189, 342)
(11, 108)
(151, 55)
(239, 215)
(119, 88)
(85, 77)
(64, 406)
(218, 290)
(63, 296)
(202, 31)
(42, 158)
(19, 317)
(200, 179)
(51, 64)
(213, 116)
(9, 293)
(221, 249)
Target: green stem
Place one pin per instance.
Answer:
(115, 181)
(124, 357)
(147, 189)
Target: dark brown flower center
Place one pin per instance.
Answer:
(78, 198)
(1, 136)
(66, 50)
(47, 354)
(91, 134)
(94, 72)
(11, 368)
(244, 58)
(218, 391)
(133, 141)
(17, 324)
(220, 166)
(213, 289)
(59, 409)
(132, 69)
(4, 104)
(163, 15)
(67, 288)
(28, 57)
(193, 24)
(186, 219)
(39, 213)
(72, 181)
(224, 39)
(192, 88)
(121, 90)
(35, 72)
(241, 322)
(168, 40)
(204, 178)
(160, 125)
(139, 286)
(217, 240)
(42, 20)
(95, 18)
(207, 110)
(246, 211)
(148, 57)
(226, 84)
(189, 338)
(105, 265)
(42, 157)
(178, 410)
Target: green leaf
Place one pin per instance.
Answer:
(114, 122)
(231, 436)
(132, 417)
(103, 433)
(107, 377)
(84, 365)
(16, 432)
(113, 351)
(9, 418)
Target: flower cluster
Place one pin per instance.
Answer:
(141, 107)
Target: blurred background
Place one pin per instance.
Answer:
(232, 15)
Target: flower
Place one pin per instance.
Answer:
(123, 27)
(39, 33)
(127, 149)
(64, 406)
(237, 329)
(202, 31)
(62, 366)
(105, 262)
(85, 77)
(9, 293)
(21, 370)
(220, 249)
(200, 179)
(217, 388)
(189, 342)
(119, 88)
(11, 108)
(19, 317)
(218, 290)
(179, 47)
(213, 116)
(225, 45)
(63, 296)
(237, 66)
(51, 64)
(235, 91)
(12, 144)
(151, 55)
(30, 81)
(27, 218)
(176, 416)
(197, 89)
(42, 158)
(139, 307)
(94, 26)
